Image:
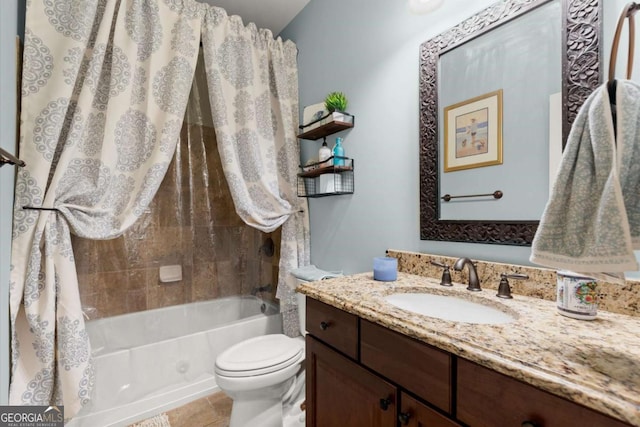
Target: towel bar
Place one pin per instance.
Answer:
(496, 195)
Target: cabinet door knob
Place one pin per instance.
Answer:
(403, 417)
(384, 403)
(324, 326)
(529, 424)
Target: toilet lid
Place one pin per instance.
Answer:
(259, 355)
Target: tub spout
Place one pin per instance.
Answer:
(260, 289)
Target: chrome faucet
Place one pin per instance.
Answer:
(474, 282)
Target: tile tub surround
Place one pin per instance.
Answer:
(594, 363)
(622, 299)
(190, 222)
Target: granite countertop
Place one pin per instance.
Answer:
(595, 363)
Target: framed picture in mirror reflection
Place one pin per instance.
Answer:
(473, 133)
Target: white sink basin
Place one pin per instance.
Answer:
(449, 308)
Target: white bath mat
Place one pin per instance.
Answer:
(161, 420)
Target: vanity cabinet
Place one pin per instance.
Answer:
(487, 398)
(354, 368)
(363, 374)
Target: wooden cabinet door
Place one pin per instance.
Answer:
(416, 414)
(489, 399)
(343, 393)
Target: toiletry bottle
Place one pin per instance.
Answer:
(338, 152)
(323, 154)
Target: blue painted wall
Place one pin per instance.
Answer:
(369, 50)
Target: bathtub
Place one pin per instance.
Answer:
(152, 361)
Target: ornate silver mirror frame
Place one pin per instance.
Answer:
(581, 74)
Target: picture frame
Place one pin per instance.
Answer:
(473, 133)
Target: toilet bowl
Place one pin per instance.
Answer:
(263, 376)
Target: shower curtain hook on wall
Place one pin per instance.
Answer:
(10, 159)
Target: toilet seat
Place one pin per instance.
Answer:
(259, 356)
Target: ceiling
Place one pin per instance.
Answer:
(271, 14)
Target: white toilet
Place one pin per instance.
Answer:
(264, 376)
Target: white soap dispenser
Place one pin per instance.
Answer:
(323, 155)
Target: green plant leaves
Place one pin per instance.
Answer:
(336, 101)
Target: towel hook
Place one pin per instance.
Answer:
(629, 10)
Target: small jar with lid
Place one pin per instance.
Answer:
(577, 295)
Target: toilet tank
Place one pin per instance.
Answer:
(302, 308)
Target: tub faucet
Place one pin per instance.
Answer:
(260, 289)
(474, 282)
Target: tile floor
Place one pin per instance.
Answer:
(210, 411)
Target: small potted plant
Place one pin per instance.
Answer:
(336, 102)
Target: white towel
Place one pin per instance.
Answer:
(591, 223)
(312, 273)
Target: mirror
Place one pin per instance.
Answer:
(580, 63)
(521, 59)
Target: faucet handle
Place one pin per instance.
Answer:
(504, 290)
(446, 274)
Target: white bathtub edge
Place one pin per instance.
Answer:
(148, 407)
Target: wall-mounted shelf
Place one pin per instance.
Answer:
(318, 180)
(327, 125)
(326, 179)
(327, 169)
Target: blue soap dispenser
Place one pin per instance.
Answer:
(338, 152)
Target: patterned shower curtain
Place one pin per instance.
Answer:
(253, 91)
(104, 90)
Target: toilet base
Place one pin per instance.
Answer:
(268, 413)
(274, 406)
(251, 413)
(261, 407)
(294, 415)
